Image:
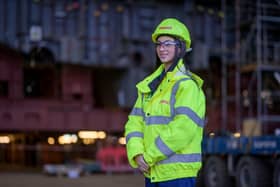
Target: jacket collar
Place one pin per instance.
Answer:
(176, 74)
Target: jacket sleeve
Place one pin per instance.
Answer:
(186, 126)
(134, 132)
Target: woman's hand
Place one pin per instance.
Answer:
(142, 165)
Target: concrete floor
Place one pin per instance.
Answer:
(13, 179)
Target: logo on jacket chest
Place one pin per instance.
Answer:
(164, 102)
(148, 97)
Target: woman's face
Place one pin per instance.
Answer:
(165, 47)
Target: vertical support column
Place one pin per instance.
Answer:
(224, 69)
(237, 69)
(23, 26)
(259, 60)
(11, 24)
(92, 25)
(3, 20)
(103, 33)
(81, 32)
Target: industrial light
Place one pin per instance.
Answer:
(5, 139)
(101, 135)
(87, 134)
(237, 135)
(104, 6)
(51, 140)
(92, 134)
(88, 141)
(120, 8)
(122, 141)
(67, 139)
(96, 13)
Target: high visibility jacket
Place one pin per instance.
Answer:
(167, 126)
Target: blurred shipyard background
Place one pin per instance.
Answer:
(68, 70)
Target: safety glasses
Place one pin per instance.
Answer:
(165, 44)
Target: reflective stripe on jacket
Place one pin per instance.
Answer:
(167, 127)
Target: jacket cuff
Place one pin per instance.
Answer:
(131, 160)
(148, 159)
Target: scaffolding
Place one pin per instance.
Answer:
(251, 43)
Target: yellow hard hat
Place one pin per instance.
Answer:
(173, 27)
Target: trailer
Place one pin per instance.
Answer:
(241, 146)
(243, 161)
(251, 157)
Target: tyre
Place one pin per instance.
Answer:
(215, 173)
(200, 179)
(276, 175)
(252, 172)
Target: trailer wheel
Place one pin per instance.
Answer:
(252, 172)
(215, 173)
(200, 178)
(276, 175)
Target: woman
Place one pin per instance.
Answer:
(164, 129)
